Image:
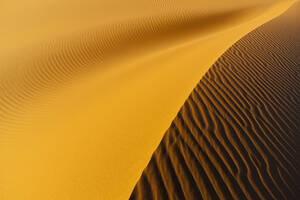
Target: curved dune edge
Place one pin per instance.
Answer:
(75, 143)
(30, 71)
(237, 135)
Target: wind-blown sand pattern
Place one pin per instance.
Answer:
(88, 89)
(237, 135)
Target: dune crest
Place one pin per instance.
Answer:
(237, 135)
(87, 88)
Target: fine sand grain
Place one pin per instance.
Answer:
(237, 135)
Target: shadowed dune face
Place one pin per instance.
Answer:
(237, 135)
(87, 88)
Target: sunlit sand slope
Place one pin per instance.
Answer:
(237, 135)
(89, 87)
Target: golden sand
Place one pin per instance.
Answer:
(88, 89)
(237, 135)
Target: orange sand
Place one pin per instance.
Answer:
(87, 89)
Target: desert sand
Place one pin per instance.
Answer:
(89, 88)
(237, 135)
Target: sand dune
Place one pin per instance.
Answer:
(50, 59)
(88, 88)
(237, 135)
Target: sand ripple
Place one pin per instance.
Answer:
(237, 135)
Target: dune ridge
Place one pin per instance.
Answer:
(237, 135)
(88, 88)
(48, 65)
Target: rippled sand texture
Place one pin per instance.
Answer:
(237, 135)
(88, 88)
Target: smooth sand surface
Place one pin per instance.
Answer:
(88, 88)
(237, 135)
